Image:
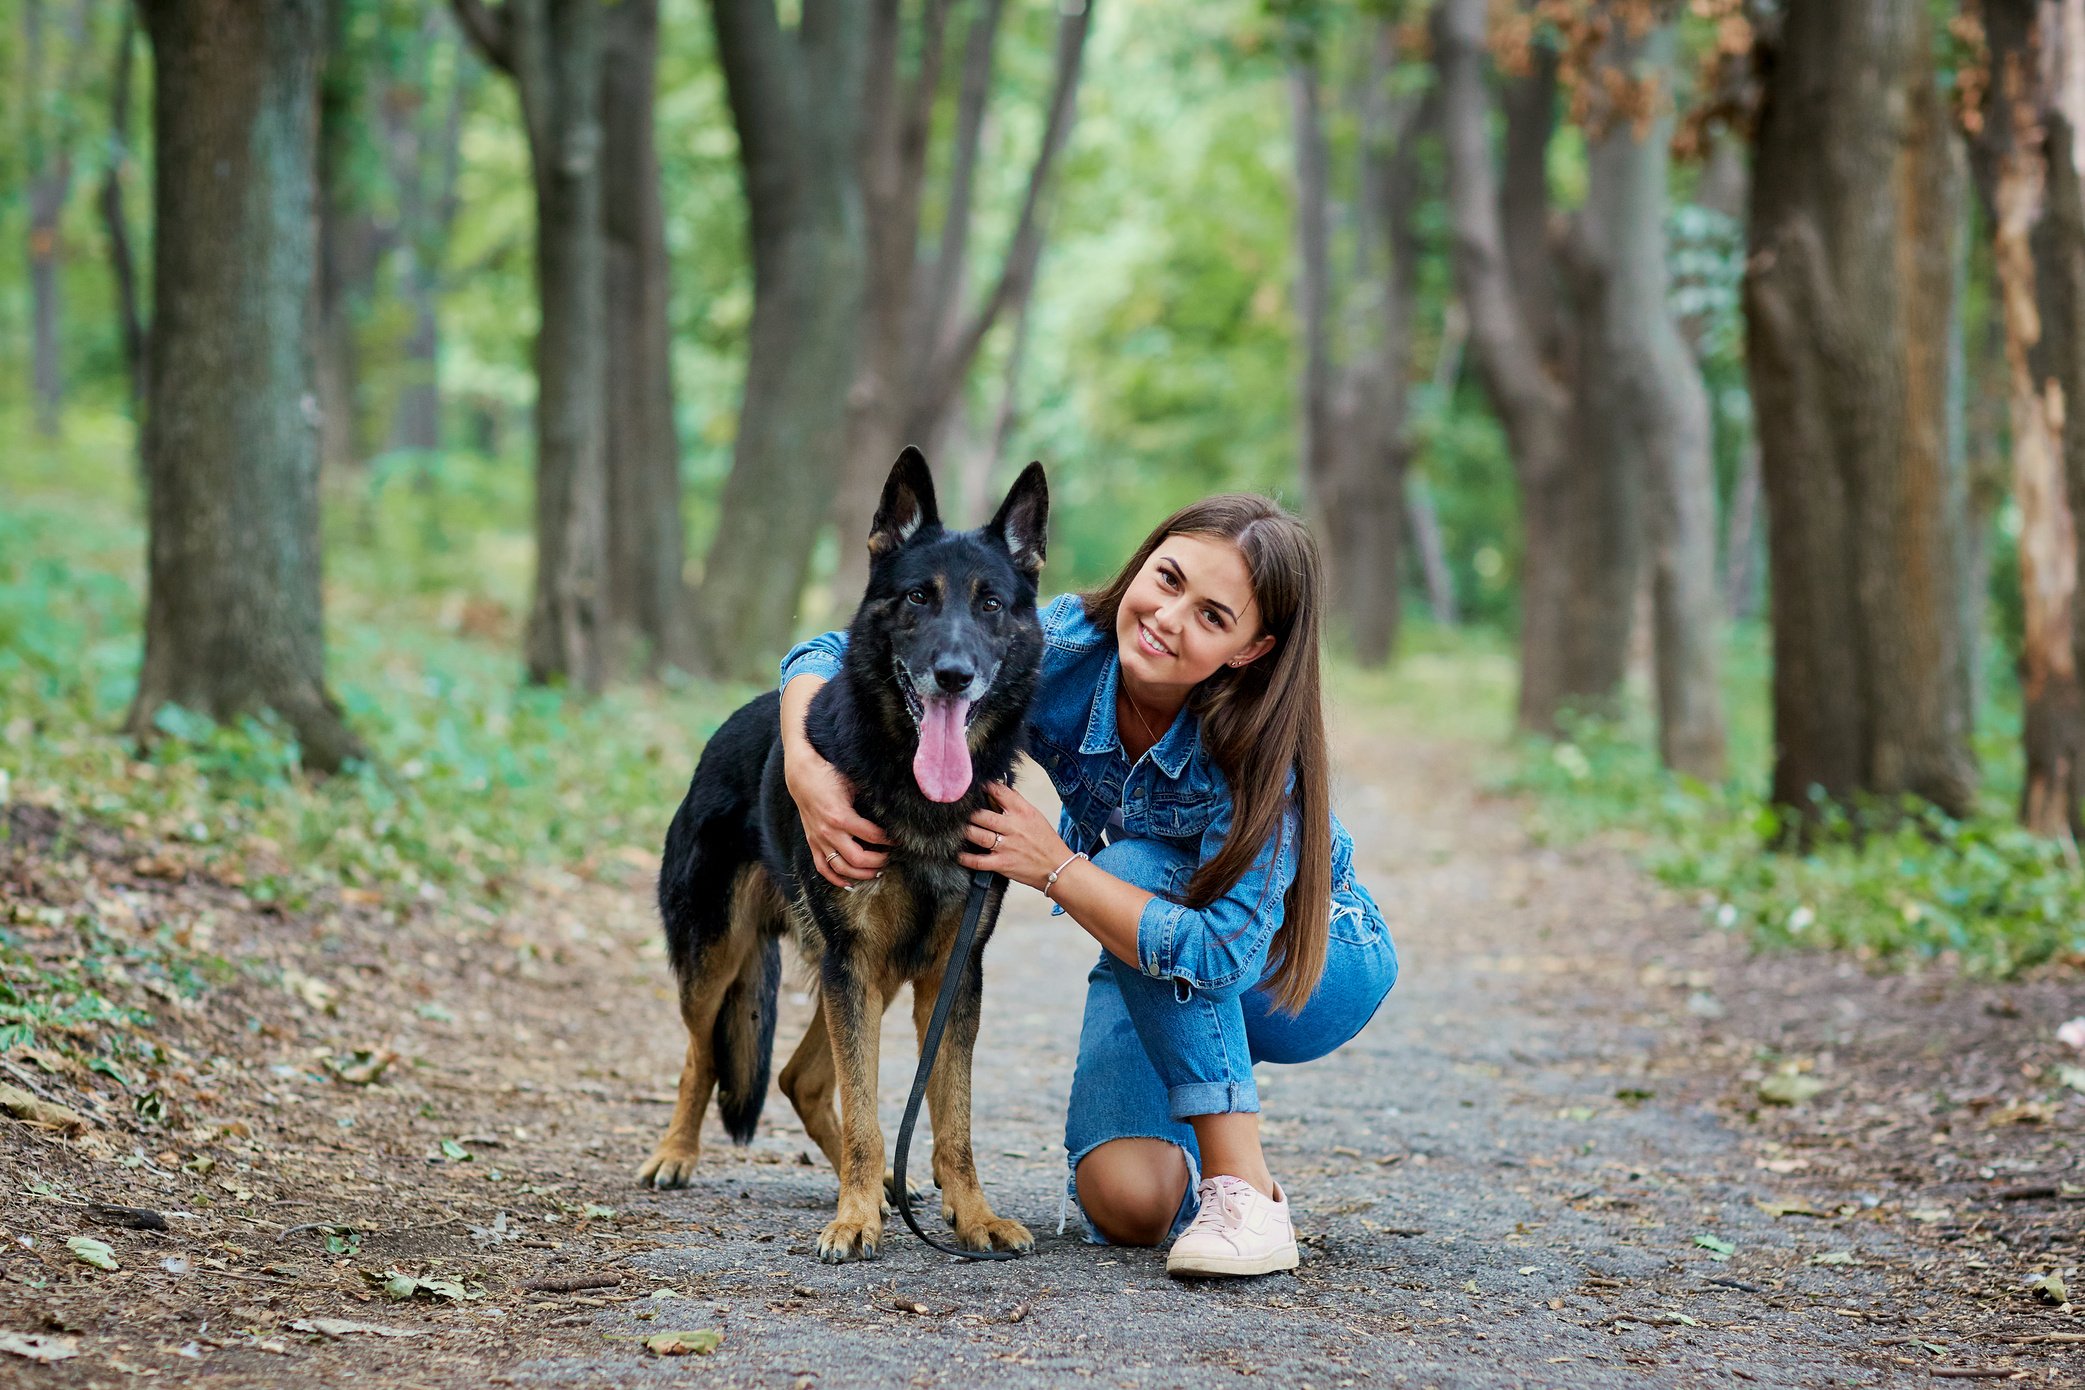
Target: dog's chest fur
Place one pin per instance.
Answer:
(907, 918)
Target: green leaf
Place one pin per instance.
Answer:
(1718, 1248)
(697, 1343)
(1790, 1088)
(455, 1151)
(92, 1251)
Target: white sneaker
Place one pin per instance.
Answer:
(1239, 1230)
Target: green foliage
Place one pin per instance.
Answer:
(1884, 881)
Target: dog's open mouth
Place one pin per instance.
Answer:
(941, 765)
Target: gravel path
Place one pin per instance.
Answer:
(1500, 1183)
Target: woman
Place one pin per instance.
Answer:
(1178, 712)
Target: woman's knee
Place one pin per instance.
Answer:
(1131, 1189)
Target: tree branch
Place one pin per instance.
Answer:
(972, 100)
(952, 363)
(491, 31)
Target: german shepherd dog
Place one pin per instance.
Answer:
(929, 707)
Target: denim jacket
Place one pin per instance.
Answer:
(1174, 793)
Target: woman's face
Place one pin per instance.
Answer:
(1189, 612)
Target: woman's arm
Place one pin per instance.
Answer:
(1028, 848)
(824, 799)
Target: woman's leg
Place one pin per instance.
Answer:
(1132, 1165)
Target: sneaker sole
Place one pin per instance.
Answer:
(1214, 1266)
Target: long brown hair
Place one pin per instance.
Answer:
(1260, 720)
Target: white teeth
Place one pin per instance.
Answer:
(1151, 643)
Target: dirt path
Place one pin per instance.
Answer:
(1522, 1174)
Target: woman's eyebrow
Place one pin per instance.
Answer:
(1213, 603)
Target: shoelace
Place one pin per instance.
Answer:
(1219, 1208)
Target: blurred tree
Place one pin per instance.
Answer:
(552, 51)
(1849, 297)
(1658, 390)
(2026, 128)
(1533, 284)
(1357, 328)
(645, 600)
(233, 620)
(115, 221)
(351, 242)
(49, 140)
(796, 103)
(920, 334)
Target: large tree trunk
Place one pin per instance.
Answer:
(795, 97)
(1848, 295)
(646, 599)
(2030, 117)
(1536, 305)
(233, 606)
(1665, 408)
(552, 49)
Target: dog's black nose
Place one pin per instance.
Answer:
(952, 678)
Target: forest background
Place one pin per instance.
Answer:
(1677, 386)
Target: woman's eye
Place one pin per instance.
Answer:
(918, 596)
(990, 603)
(1166, 577)
(1211, 615)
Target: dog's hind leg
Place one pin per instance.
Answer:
(853, 1006)
(808, 1082)
(963, 1203)
(705, 987)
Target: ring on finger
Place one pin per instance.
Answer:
(996, 838)
(831, 855)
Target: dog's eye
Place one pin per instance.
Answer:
(918, 596)
(990, 603)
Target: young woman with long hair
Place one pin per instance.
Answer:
(1178, 712)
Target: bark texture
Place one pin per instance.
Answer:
(1533, 286)
(1849, 294)
(552, 50)
(115, 219)
(646, 608)
(795, 99)
(233, 606)
(2025, 161)
(1663, 405)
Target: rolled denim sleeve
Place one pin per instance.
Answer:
(1221, 949)
(820, 656)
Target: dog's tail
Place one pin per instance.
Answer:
(743, 1042)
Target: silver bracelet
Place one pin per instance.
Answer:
(1049, 882)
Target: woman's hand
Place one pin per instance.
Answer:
(837, 834)
(1014, 838)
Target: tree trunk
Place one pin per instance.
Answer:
(2032, 107)
(552, 49)
(348, 251)
(1848, 296)
(795, 98)
(50, 184)
(1664, 406)
(130, 320)
(920, 339)
(232, 619)
(1536, 304)
(646, 599)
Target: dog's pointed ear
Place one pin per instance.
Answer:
(907, 506)
(1022, 522)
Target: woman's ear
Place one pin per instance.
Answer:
(1253, 653)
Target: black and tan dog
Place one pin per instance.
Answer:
(928, 708)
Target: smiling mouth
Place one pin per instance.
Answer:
(1150, 643)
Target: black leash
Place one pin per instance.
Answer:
(981, 884)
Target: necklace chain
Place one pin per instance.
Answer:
(1137, 710)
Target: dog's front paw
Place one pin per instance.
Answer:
(670, 1165)
(994, 1233)
(845, 1240)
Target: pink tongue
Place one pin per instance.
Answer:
(942, 765)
